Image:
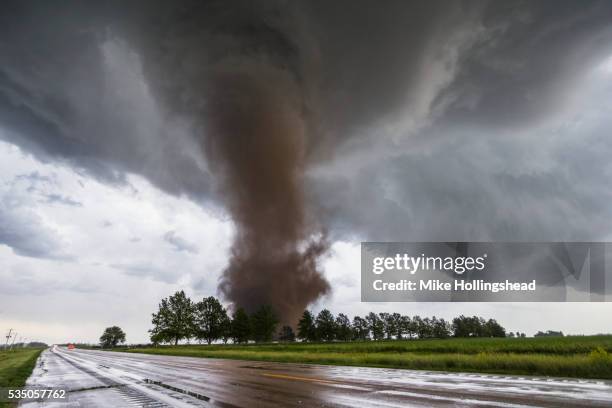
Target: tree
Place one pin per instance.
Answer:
(460, 327)
(156, 339)
(174, 319)
(376, 326)
(361, 329)
(264, 322)
(408, 326)
(112, 336)
(425, 329)
(209, 319)
(440, 328)
(240, 326)
(286, 334)
(344, 331)
(549, 333)
(392, 323)
(477, 327)
(419, 326)
(417, 322)
(226, 328)
(494, 329)
(326, 325)
(388, 325)
(396, 318)
(306, 327)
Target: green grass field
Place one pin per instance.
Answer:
(584, 357)
(16, 366)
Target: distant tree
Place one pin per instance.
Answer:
(286, 334)
(306, 327)
(344, 331)
(408, 326)
(326, 325)
(460, 327)
(464, 326)
(174, 319)
(361, 329)
(264, 322)
(440, 328)
(549, 333)
(424, 328)
(494, 329)
(480, 326)
(417, 323)
(112, 336)
(37, 344)
(209, 319)
(396, 324)
(240, 326)
(475, 326)
(511, 334)
(385, 319)
(226, 328)
(376, 326)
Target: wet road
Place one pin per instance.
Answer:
(107, 379)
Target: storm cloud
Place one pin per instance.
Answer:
(347, 120)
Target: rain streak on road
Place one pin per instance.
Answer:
(110, 379)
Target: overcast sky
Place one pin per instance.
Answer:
(452, 121)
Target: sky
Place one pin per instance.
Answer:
(123, 158)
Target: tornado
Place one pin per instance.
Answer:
(256, 145)
(243, 74)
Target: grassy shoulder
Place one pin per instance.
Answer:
(582, 357)
(16, 366)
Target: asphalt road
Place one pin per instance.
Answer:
(107, 379)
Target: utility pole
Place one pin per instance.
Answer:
(14, 337)
(8, 336)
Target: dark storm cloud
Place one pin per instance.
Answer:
(529, 62)
(69, 91)
(408, 120)
(482, 187)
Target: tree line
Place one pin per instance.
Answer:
(392, 326)
(179, 318)
(549, 333)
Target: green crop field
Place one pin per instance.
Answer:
(16, 366)
(584, 357)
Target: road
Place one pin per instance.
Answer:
(108, 379)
